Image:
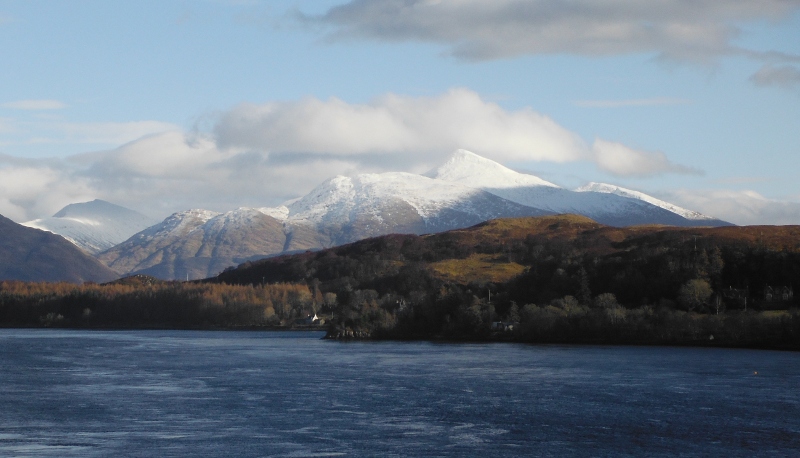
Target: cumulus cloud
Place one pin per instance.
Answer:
(739, 207)
(157, 175)
(410, 126)
(261, 155)
(781, 75)
(29, 190)
(481, 29)
(35, 105)
(621, 160)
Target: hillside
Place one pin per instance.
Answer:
(199, 244)
(553, 279)
(454, 283)
(465, 190)
(34, 255)
(93, 226)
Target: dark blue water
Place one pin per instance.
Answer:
(166, 393)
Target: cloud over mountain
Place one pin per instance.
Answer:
(397, 124)
(622, 160)
(742, 207)
(261, 155)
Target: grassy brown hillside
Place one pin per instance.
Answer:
(555, 268)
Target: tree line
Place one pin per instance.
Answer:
(645, 285)
(574, 281)
(156, 304)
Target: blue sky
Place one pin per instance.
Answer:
(167, 105)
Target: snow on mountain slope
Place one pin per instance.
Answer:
(466, 190)
(177, 225)
(198, 244)
(476, 171)
(93, 226)
(279, 213)
(351, 208)
(615, 209)
(337, 198)
(631, 194)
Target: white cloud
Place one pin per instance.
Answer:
(622, 160)
(414, 127)
(31, 190)
(739, 207)
(35, 105)
(157, 175)
(261, 155)
(479, 29)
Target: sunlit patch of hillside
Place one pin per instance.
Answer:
(477, 268)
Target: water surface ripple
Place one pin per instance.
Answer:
(254, 394)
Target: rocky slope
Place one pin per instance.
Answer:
(466, 190)
(198, 244)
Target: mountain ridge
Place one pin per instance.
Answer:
(30, 254)
(601, 203)
(93, 226)
(465, 190)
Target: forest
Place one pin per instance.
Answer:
(562, 279)
(557, 279)
(142, 302)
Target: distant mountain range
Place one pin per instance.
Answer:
(198, 243)
(94, 226)
(466, 190)
(606, 204)
(29, 254)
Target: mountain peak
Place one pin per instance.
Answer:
(470, 169)
(93, 226)
(97, 209)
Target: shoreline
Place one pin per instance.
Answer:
(430, 339)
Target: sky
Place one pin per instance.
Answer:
(167, 105)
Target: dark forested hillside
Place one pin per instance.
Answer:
(559, 278)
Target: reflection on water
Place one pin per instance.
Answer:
(178, 393)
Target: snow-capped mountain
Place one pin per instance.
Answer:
(93, 226)
(476, 171)
(466, 190)
(603, 206)
(631, 194)
(352, 208)
(198, 244)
